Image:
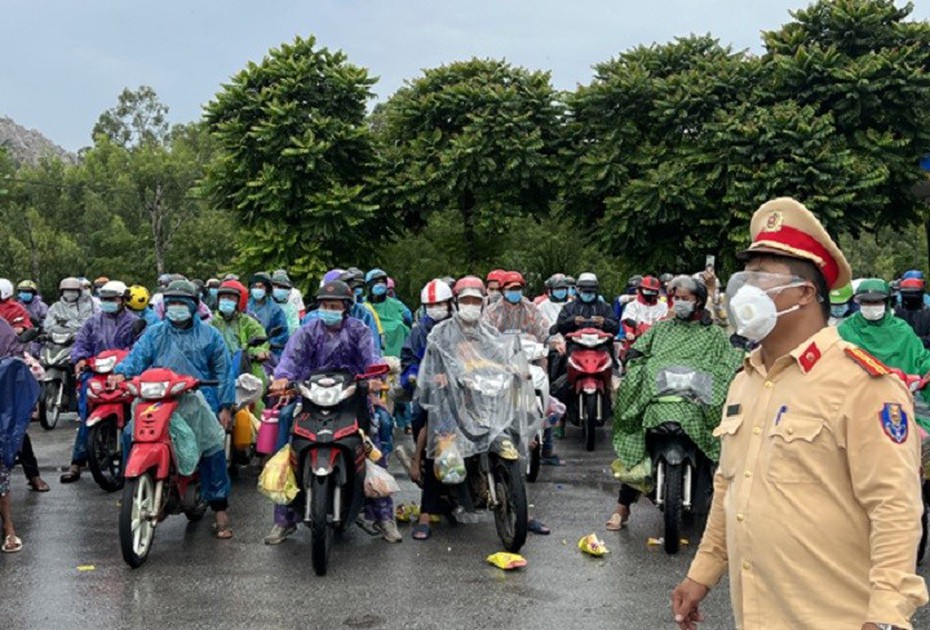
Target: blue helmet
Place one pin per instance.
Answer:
(374, 275)
(913, 274)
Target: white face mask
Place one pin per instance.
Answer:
(754, 312)
(437, 313)
(683, 308)
(872, 312)
(469, 312)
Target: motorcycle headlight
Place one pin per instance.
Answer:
(104, 366)
(60, 338)
(323, 396)
(589, 341)
(153, 390)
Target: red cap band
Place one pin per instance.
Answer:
(801, 241)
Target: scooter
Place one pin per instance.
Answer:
(330, 449)
(535, 352)
(59, 388)
(108, 410)
(154, 489)
(240, 438)
(590, 369)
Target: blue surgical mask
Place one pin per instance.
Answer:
(25, 297)
(258, 293)
(330, 318)
(213, 291)
(513, 297)
(560, 295)
(178, 313)
(359, 293)
(587, 297)
(572, 291)
(838, 310)
(109, 307)
(379, 289)
(227, 306)
(280, 294)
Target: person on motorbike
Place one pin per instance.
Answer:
(187, 345)
(687, 339)
(586, 311)
(113, 328)
(11, 310)
(629, 295)
(913, 310)
(281, 286)
(70, 312)
(645, 310)
(493, 280)
(138, 303)
(556, 297)
(437, 300)
(27, 292)
(360, 310)
(211, 293)
(238, 328)
(331, 341)
(395, 317)
(268, 312)
(155, 301)
(294, 297)
(664, 280)
(913, 274)
(877, 330)
(841, 305)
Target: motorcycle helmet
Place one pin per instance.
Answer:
(238, 291)
(6, 289)
(511, 279)
(650, 286)
(138, 297)
(665, 278)
(99, 282)
(374, 275)
(558, 281)
(113, 289)
(336, 290)
(469, 286)
(913, 273)
(435, 292)
(70, 284)
(334, 274)
(495, 276)
(281, 279)
(841, 295)
(27, 285)
(587, 281)
(261, 278)
(873, 290)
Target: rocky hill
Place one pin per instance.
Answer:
(27, 146)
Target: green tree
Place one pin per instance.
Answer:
(293, 156)
(138, 118)
(477, 139)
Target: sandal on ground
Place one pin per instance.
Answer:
(422, 531)
(37, 484)
(550, 460)
(12, 544)
(615, 523)
(223, 532)
(538, 527)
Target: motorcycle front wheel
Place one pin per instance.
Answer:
(511, 514)
(674, 481)
(49, 411)
(104, 460)
(589, 421)
(320, 493)
(136, 525)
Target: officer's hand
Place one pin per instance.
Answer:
(685, 600)
(225, 417)
(79, 367)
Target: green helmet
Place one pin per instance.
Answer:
(841, 295)
(873, 289)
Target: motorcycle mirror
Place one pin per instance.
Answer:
(30, 334)
(379, 369)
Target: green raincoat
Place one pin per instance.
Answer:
(392, 312)
(236, 333)
(673, 343)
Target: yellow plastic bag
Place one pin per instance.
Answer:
(507, 561)
(639, 476)
(592, 546)
(278, 481)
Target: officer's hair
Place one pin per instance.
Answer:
(808, 271)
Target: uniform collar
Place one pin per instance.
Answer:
(807, 355)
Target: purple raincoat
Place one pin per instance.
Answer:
(317, 347)
(103, 331)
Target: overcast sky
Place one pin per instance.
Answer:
(62, 62)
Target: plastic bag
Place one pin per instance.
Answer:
(639, 476)
(506, 561)
(593, 546)
(278, 481)
(449, 466)
(185, 445)
(379, 483)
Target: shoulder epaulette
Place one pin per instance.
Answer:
(867, 362)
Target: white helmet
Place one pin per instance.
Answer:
(114, 288)
(6, 289)
(435, 292)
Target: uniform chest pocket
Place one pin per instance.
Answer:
(726, 432)
(797, 449)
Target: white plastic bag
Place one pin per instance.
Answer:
(379, 483)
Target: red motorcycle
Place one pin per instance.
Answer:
(590, 368)
(108, 410)
(154, 488)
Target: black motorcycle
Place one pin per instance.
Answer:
(59, 387)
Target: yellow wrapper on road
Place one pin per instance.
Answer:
(592, 546)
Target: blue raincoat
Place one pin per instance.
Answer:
(270, 315)
(19, 390)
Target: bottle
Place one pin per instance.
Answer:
(374, 454)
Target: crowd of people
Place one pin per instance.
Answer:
(354, 321)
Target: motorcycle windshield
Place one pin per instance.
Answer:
(685, 382)
(475, 386)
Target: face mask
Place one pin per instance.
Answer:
(513, 297)
(280, 295)
(572, 291)
(379, 289)
(330, 318)
(559, 295)
(912, 302)
(683, 309)
(650, 299)
(258, 293)
(70, 296)
(177, 313)
(838, 310)
(470, 312)
(437, 313)
(754, 311)
(872, 312)
(227, 307)
(494, 295)
(25, 297)
(359, 293)
(109, 307)
(213, 291)
(587, 297)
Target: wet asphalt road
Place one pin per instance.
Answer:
(192, 580)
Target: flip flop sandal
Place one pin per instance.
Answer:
(12, 544)
(40, 486)
(537, 527)
(615, 523)
(422, 532)
(222, 532)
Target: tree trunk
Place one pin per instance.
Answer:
(156, 216)
(467, 208)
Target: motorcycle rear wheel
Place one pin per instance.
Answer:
(321, 534)
(49, 411)
(511, 516)
(103, 459)
(136, 529)
(674, 479)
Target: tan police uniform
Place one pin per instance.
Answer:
(817, 500)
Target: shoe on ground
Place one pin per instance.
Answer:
(389, 531)
(279, 534)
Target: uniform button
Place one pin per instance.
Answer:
(747, 474)
(740, 518)
(769, 384)
(746, 566)
(790, 431)
(756, 430)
